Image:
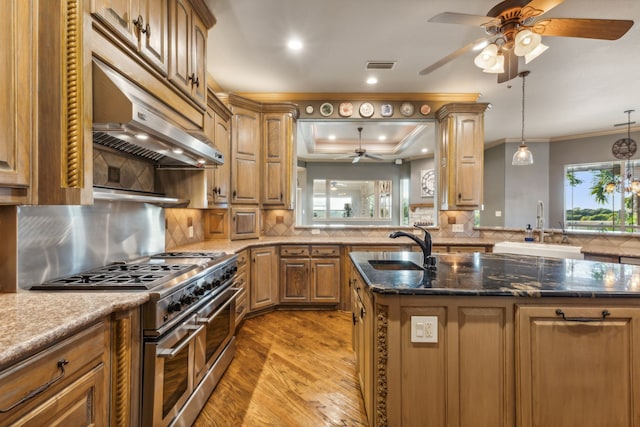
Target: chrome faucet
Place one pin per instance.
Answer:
(429, 261)
(540, 220)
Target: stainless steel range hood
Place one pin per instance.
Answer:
(129, 119)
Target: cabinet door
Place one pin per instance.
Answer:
(294, 280)
(325, 280)
(469, 155)
(154, 35)
(245, 223)
(221, 172)
(198, 71)
(119, 16)
(275, 137)
(582, 370)
(18, 78)
(264, 277)
(180, 44)
(245, 143)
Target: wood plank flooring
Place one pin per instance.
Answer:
(292, 368)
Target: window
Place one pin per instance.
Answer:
(600, 196)
(344, 200)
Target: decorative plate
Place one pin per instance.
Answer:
(425, 109)
(366, 109)
(309, 109)
(345, 109)
(386, 110)
(428, 183)
(406, 109)
(326, 109)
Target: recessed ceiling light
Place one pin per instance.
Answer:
(424, 150)
(372, 80)
(294, 44)
(382, 138)
(332, 137)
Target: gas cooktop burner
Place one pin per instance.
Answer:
(213, 255)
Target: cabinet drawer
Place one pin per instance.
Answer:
(242, 305)
(241, 280)
(243, 256)
(328, 250)
(82, 352)
(294, 250)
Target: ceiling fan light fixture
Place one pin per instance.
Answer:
(526, 41)
(488, 57)
(535, 53)
(498, 67)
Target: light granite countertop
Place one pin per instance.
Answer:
(33, 320)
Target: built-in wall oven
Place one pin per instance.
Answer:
(188, 326)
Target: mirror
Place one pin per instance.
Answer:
(392, 185)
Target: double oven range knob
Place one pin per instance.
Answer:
(186, 299)
(199, 290)
(174, 306)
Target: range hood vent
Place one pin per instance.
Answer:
(129, 119)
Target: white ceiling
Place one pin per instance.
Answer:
(577, 86)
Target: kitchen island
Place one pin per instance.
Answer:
(499, 340)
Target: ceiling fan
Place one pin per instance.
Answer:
(360, 152)
(513, 30)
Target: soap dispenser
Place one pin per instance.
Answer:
(528, 234)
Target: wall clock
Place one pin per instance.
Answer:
(428, 183)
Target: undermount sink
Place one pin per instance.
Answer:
(538, 249)
(393, 264)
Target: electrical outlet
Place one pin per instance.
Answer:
(315, 231)
(498, 213)
(458, 228)
(424, 329)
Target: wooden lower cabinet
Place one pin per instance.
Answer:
(264, 278)
(310, 274)
(242, 282)
(77, 371)
(581, 370)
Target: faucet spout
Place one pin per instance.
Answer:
(425, 244)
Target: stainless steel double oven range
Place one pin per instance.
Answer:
(188, 326)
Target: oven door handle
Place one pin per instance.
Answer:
(172, 352)
(205, 320)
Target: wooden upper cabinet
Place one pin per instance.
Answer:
(187, 51)
(278, 157)
(460, 155)
(245, 155)
(143, 24)
(218, 130)
(18, 100)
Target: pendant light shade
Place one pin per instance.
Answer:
(523, 156)
(498, 67)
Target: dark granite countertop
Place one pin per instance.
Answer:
(480, 274)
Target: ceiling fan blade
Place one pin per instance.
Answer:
(538, 7)
(510, 66)
(463, 19)
(451, 56)
(346, 156)
(604, 29)
(373, 156)
(356, 159)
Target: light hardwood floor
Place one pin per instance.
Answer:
(292, 368)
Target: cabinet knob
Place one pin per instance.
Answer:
(139, 24)
(195, 81)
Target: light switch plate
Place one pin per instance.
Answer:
(424, 329)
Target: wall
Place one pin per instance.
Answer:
(518, 188)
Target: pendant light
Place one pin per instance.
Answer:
(523, 156)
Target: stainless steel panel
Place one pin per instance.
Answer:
(56, 241)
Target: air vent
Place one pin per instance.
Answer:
(120, 145)
(380, 65)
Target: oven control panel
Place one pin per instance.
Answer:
(188, 297)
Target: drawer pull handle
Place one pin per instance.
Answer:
(36, 391)
(605, 313)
